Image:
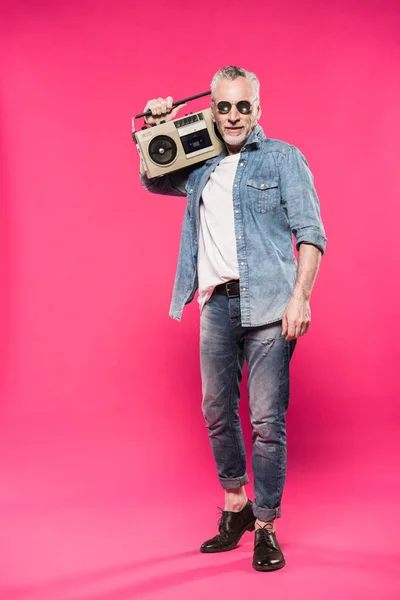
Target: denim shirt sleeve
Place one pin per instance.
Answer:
(300, 200)
(172, 184)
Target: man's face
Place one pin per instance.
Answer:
(235, 127)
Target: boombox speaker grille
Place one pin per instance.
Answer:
(162, 150)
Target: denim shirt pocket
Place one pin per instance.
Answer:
(263, 194)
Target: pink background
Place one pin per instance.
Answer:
(107, 482)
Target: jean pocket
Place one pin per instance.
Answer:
(263, 194)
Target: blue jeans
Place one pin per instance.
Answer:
(224, 346)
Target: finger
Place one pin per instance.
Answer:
(300, 329)
(305, 326)
(152, 107)
(177, 109)
(170, 102)
(284, 324)
(157, 107)
(148, 107)
(164, 108)
(291, 332)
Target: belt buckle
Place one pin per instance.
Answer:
(227, 289)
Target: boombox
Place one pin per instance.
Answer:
(179, 143)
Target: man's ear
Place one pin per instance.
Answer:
(212, 113)
(259, 111)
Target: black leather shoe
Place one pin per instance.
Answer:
(231, 526)
(267, 553)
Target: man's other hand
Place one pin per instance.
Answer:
(296, 318)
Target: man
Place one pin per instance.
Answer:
(237, 250)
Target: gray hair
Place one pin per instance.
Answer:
(232, 73)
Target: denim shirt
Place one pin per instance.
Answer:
(273, 198)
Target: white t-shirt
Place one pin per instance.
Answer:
(217, 258)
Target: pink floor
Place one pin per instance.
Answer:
(76, 528)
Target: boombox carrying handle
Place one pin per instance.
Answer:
(177, 103)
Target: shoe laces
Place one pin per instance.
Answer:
(221, 511)
(265, 538)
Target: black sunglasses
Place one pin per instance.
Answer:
(243, 106)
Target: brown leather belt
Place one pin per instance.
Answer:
(230, 288)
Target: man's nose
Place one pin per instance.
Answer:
(234, 114)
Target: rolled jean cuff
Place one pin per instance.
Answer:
(234, 482)
(266, 514)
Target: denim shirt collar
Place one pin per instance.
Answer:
(254, 139)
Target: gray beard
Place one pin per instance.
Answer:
(234, 140)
